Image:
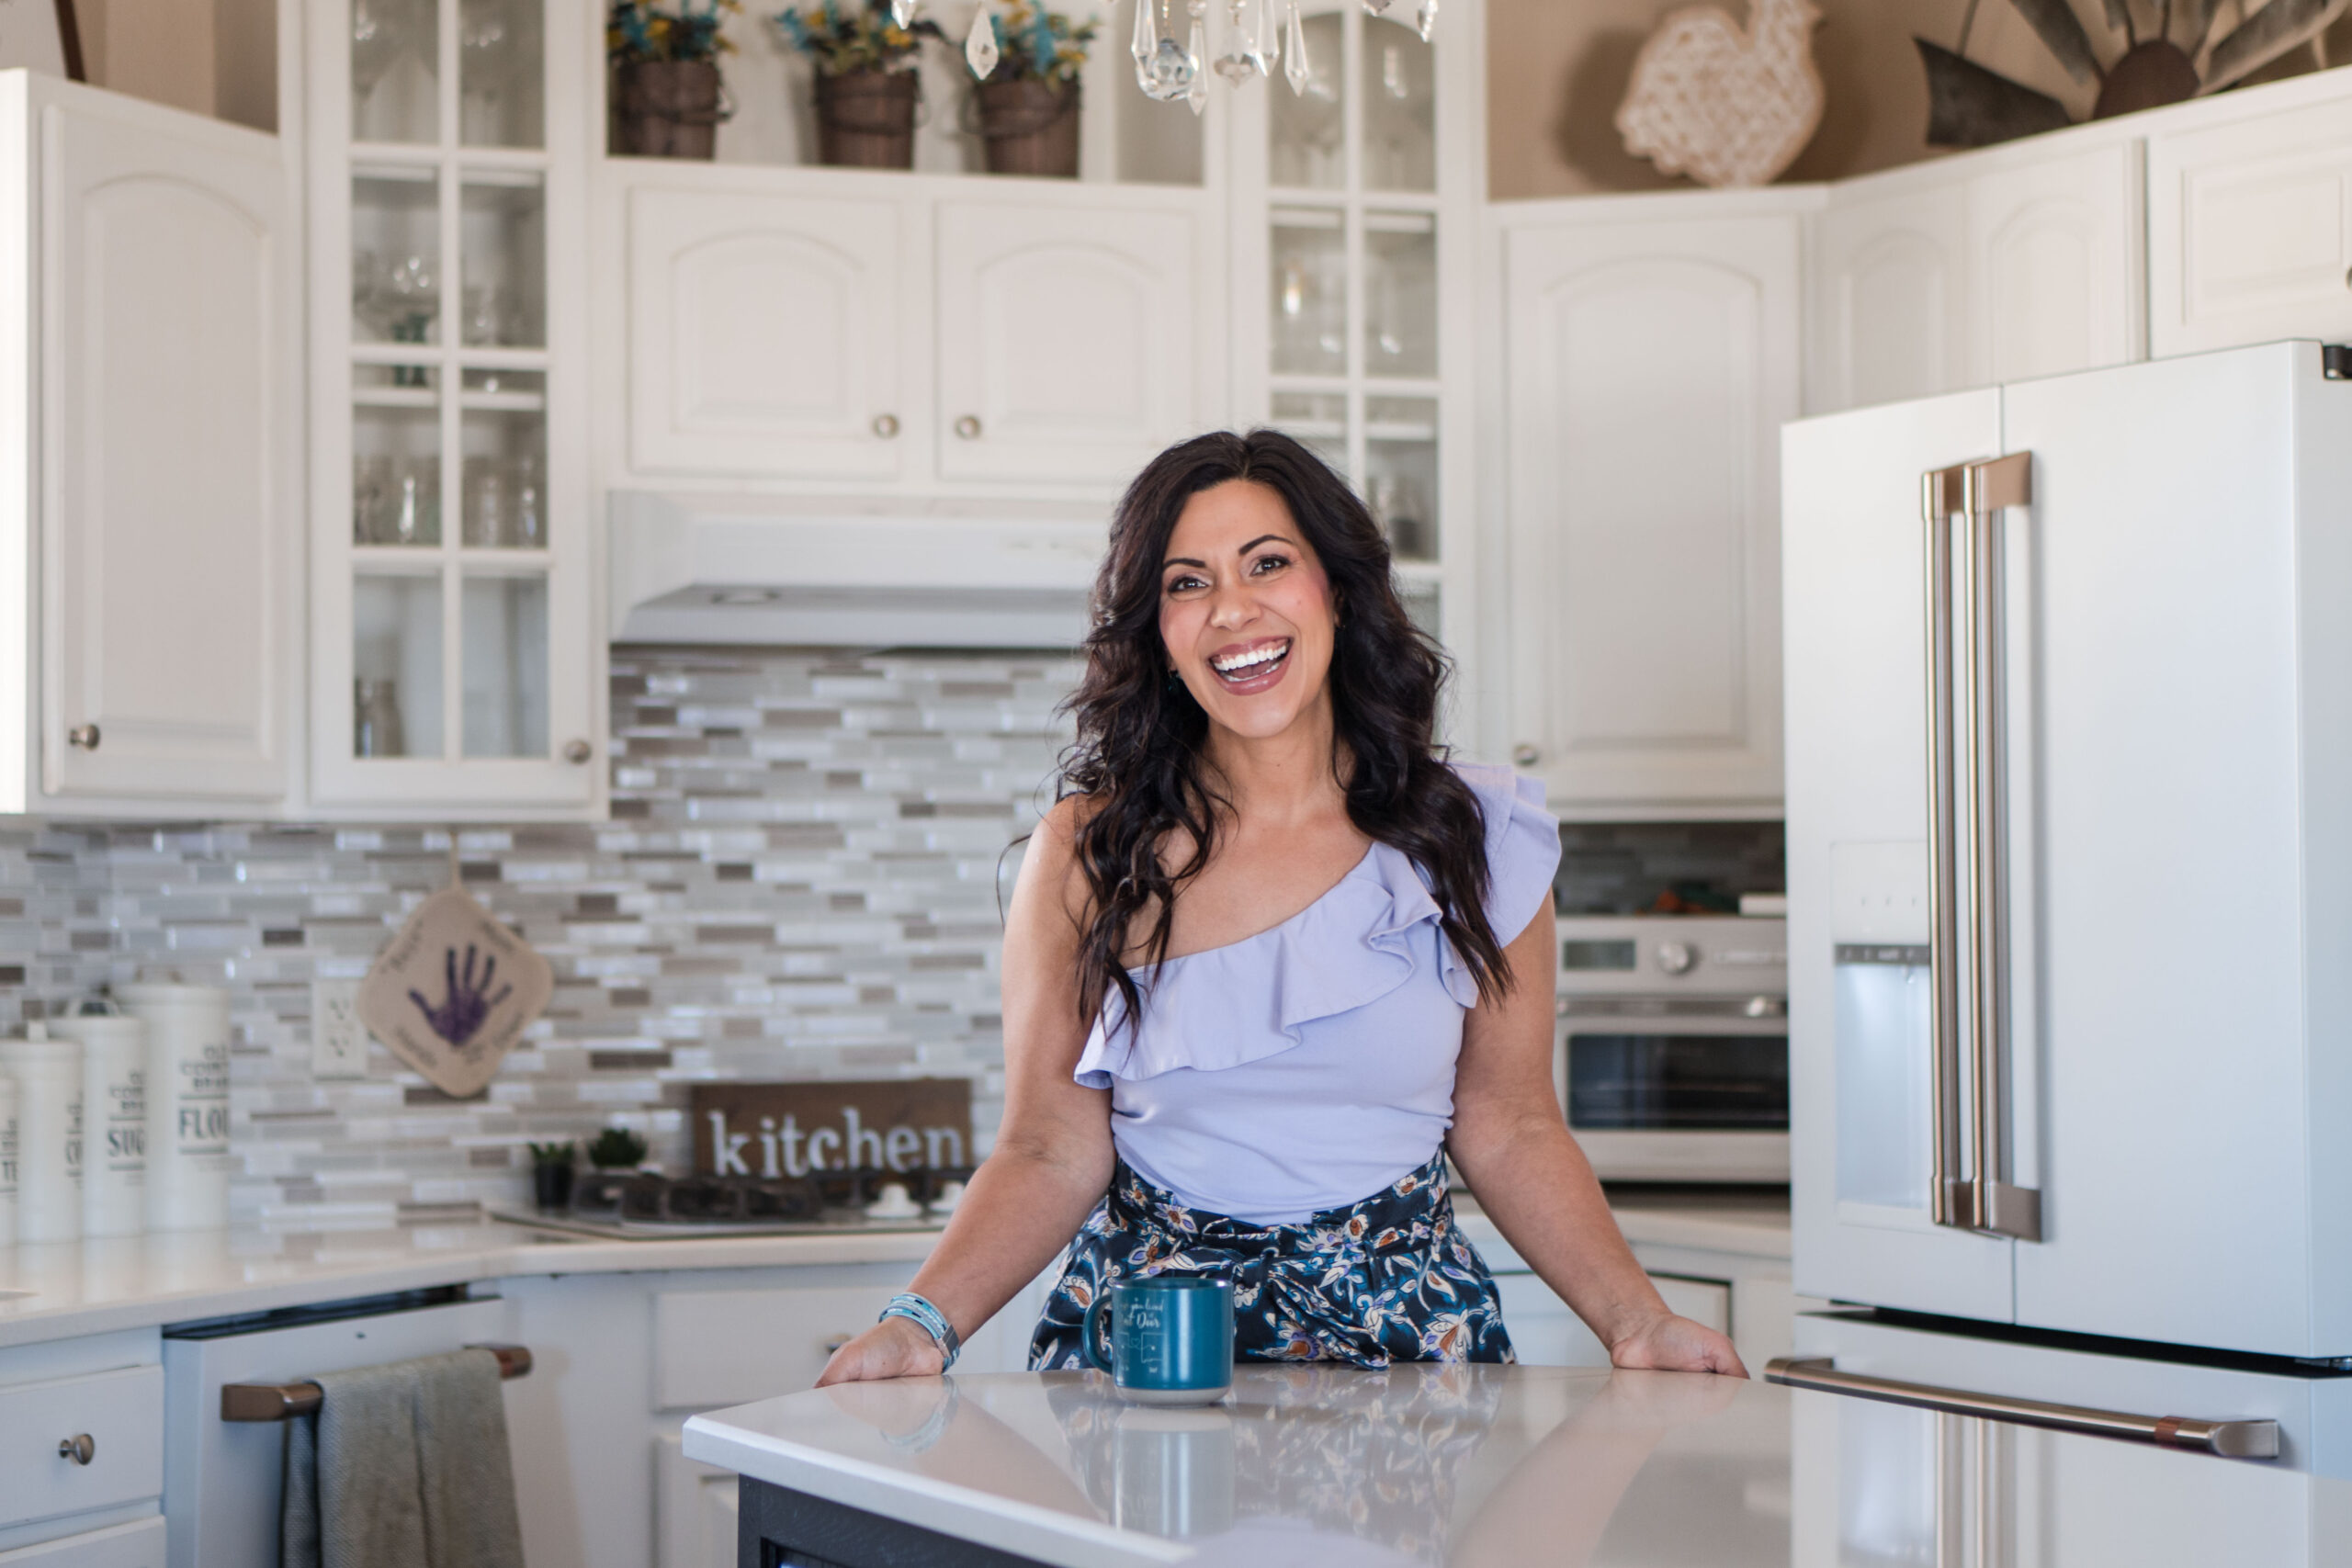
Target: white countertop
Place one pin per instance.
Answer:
(97, 1286)
(1338, 1468)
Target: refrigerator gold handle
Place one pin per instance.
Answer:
(1999, 1208)
(1941, 496)
(2230, 1439)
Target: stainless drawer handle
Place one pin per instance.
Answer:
(576, 752)
(79, 1447)
(968, 427)
(83, 737)
(886, 425)
(2230, 1439)
(1525, 756)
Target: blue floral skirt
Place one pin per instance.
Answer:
(1389, 1278)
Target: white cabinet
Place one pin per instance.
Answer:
(1650, 355)
(766, 332)
(2250, 222)
(899, 336)
(1998, 266)
(1545, 1332)
(1066, 339)
(694, 1510)
(139, 1544)
(148, 295)
(455, 665)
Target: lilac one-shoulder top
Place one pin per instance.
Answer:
(1311, 1064)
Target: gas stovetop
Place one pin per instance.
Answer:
(644, 1205)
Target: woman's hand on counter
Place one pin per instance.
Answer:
(893, 1347)
(1666, 1343)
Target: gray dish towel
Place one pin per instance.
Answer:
(404, 1466)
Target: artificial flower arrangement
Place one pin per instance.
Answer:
(641, 31)
(844, 39)
(1037, 45)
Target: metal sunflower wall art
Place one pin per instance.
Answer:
(2156, 53)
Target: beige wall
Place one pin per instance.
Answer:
(1556, 69)
(214, 57)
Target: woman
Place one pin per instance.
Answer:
(1271, 960)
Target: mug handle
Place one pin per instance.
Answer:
(1087, 1334)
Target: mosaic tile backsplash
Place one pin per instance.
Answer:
(800, 880)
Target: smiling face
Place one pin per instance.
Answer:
(1246, 611)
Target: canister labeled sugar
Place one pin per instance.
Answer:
(114, 1121)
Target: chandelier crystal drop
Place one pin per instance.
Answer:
(1296, 69)
(979, 44)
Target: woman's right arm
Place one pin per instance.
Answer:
(1052, 1159)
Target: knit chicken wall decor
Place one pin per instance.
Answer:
(453, 992)
(1726, 105)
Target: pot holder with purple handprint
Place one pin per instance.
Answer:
(453, 992)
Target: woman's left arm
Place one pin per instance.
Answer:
(1513, 1147)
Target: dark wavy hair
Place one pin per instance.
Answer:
(1138, 762)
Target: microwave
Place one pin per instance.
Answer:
(1672, 1056)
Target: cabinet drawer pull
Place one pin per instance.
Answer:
(968, 427)
(1525, 756)
(82, 737)
(79, 1447)
(886, 425)
(833, 1342)
(576, 752)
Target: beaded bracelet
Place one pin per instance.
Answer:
(919, 1311)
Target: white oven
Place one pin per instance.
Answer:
(1673, 1050)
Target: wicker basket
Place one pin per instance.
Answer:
(866, 119)
(1028, 127)
(667, 108)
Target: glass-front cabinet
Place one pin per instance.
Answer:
(1354, 193)
(454, 664)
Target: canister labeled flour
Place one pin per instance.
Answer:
(187, 1102)
(114, 1121)
(48, 1136)
(7, 1159)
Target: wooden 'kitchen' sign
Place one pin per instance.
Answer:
(790, 1129)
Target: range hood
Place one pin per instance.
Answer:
(854, 571)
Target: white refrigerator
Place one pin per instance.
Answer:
(2069, 718)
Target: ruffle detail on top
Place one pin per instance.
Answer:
(1227, 1006)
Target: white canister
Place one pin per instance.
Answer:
(114, 1121)
(187, 1103)
(48, 1136)
(7, 1159)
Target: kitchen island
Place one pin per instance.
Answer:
(1335, 1468)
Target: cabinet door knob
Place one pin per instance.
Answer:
(886, 425)
(968, 427)
(79, 1447)
(1525, 756)
(832, 1342)
(576, 752)
(82, 737)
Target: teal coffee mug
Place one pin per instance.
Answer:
(1172, 1338)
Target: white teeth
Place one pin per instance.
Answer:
(1242, 661)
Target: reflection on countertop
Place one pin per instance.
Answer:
(1506, 1465)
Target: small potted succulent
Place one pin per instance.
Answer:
(667, 97)
(616, 1148)
(1028, 105)
(866, 84)
(551, 1174)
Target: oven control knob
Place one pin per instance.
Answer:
(1677, 957)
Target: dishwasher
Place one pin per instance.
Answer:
(223, 1477)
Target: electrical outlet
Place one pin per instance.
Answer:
(338, 1040)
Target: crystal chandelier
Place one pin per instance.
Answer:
(1166, 69)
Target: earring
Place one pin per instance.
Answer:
(1174, 682)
